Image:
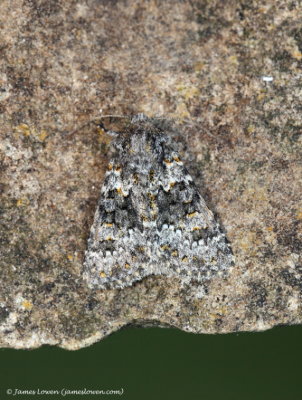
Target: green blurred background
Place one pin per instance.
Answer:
(157, 363)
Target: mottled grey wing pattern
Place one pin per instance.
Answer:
(150, 219)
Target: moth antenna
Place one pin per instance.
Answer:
(94, 121)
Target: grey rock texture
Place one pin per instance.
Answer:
(230, 75)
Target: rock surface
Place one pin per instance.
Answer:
(230, 75)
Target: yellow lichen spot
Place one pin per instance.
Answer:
(199, 66)
(233, 59)
(251, 128)
(110, 166)
(145, 218)
(108, 238)
(164, 247)
(168, 162)
(70, 257)
(261, 96)
(177, 159)
(196, 228)
(43, 135)
(22, 202)
(108, 225)
(24, 129)
(191, 92)
(269, 228)
(127, 265)
(174, 253)
(188, 92)
(102, 274)
(27, 305)
(180, 88)
(185, 259)
(172, 184)
(118, 168)
(299, 214)
(271, 27)
(297, 55)
(191, 215)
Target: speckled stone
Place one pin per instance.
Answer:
(230, 76)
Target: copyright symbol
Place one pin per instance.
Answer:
(9, 391)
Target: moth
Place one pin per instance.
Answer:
(150, 217)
